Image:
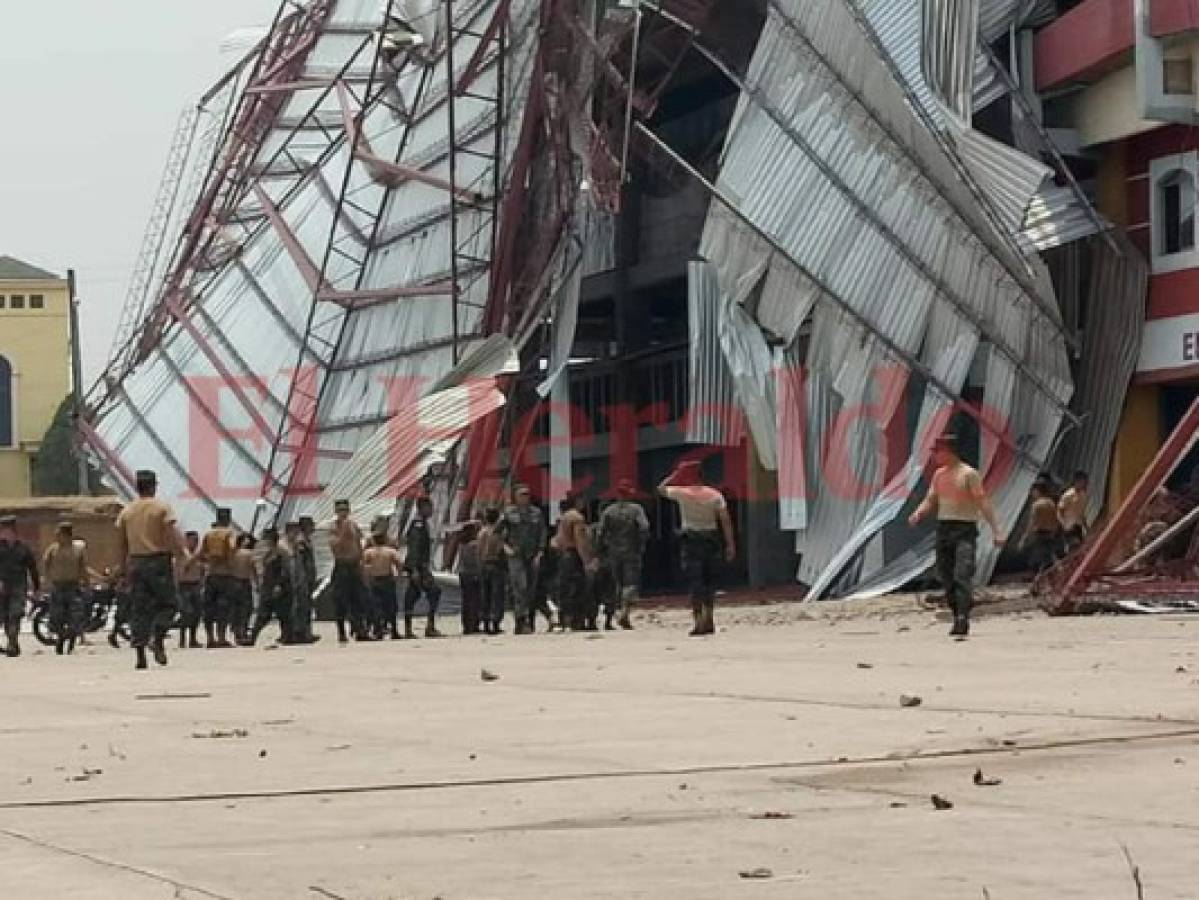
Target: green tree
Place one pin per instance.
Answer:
(56, 467)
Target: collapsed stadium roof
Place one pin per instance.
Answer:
(379, 187)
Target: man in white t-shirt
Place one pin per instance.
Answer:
(705, 521)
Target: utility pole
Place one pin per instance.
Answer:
(77, 384)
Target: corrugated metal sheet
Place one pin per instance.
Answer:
(1111, 341)
(825, 157)
(948, 52)
(1057, 216)
(712, 396)
(255, 309)
(1010, 178)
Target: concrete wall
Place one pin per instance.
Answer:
(36, 342)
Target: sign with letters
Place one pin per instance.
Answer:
(1168, 344)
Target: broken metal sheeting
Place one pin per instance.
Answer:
(831, 184)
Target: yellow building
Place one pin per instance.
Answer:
(35, 366)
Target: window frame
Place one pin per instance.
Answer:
(16, 301)
(1160, 170)
(37, 301)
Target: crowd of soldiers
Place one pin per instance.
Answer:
(508, 559)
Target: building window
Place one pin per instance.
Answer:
(1178, 212)
(16, 301)
(6, 403)
(37, 301)
(1172, 212)
(3, 301)
(1176, 76)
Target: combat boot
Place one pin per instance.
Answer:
(160, 652)
(409, 634)
(193, 642)
(60, 645)
(341, 631)
(394, 630)
(961, 622)
(431, 629)
(608, 617)
(71, 643)
(624, 619)
(209, 635)
(114, 641)
(222, 635)
(141, 659)
(697, 613)
(709, 623)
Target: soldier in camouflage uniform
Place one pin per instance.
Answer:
(418, 563)
(149, 541)
(275, 598)
(18, 570)
(190, 575)
(305, 556)
(623, 533)
(523, 528)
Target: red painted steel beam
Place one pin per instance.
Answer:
(231, 381)
(115, 466)
(490, 33)
(308, 269)
(390, 174)
(1118, 526)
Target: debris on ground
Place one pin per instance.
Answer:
(940, 803)
(220, 734)
(908, 701)
(262, 754)
(772, 815)
(898, 804)
(488, 676)
(983, 781)
(760, 872)
(86, 775)
(202, 696)
(338, 747)
(865, 665)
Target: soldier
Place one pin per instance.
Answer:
(149, 540)
(623, 533)
(18, 571)
(245, 582)
(65, 565)
(305, 556)
(957, 497)
(1072, 510)
(418, 564)
(705, 519)
(217, 551)
(576, 562)
(470, 578)
(275, 597)
(190, 575)
(524, 529)
(494, 553)
(345, 541)
(381, 565)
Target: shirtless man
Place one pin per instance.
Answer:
(577, 559)
(381, 564)
(958, 499)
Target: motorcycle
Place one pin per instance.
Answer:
(100, 604)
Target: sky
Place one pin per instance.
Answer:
(90, 93)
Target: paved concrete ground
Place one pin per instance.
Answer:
(633, 765)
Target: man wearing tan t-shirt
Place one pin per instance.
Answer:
(217, 549)
(705, 521)
(958, 499)
(1044, 537)
(65, 565)
(148, 540)
(189, 572)
(381, 563)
